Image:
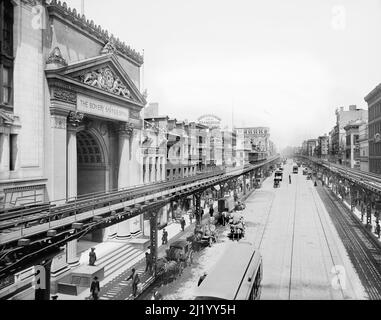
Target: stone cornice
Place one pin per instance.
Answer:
(374, 95)
(63, 82)
(64, 12)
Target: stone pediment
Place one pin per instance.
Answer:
(102, 73)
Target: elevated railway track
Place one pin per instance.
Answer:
(366, 180)
(27, 234)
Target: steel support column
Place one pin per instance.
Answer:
(353, 192)
(154, 240)
(197, 197)
(368, 202)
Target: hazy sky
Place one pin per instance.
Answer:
(283, 64)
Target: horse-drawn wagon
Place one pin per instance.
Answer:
(178, 256)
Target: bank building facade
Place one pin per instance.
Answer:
(70, 115)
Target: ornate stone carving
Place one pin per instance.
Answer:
(106, 80)
(126, 128)
(55, 57)
(65, 96)
(58, 122)
(135, 115)
(75, 118)
(109, 48)
(103, 128)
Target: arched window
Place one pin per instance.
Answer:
(6, 54)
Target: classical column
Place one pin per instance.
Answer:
(58, 140)
(162, 169)
(71, 253)
(74, 120)
(125, 132)
(151, 169)
(147, 173)
(158, 169)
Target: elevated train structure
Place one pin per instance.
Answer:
(29, 235)
(362, 190)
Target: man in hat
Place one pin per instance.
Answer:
(182, 223)
(148, 263)
(135, 281)
(94, 288)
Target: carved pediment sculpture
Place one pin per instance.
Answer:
(105, 79)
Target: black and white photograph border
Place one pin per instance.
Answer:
(177, 151)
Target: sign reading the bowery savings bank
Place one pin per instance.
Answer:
(102, 109)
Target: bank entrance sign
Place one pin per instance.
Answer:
(102, 109)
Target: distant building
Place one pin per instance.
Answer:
(256, 142)
(364, 147)
(352, 145)
(305, 148)
(374, 110)
(311, 146)
(344, 117)
(323, 147)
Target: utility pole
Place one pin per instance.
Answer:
(82, 7)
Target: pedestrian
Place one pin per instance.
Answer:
(378, 230)
(315, 184)
(201, 212)
(183, 223)
(135, 281)
(94, 288)
(191, 217)
(211, 211)
(224, 217)
(148, 263)
(289, 178)
(92, 257)
(164, 237)
(201, 279)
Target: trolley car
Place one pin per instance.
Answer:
(235, 276)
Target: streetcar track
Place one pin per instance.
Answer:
(326, 239)
(358, 251)
(293, 241)
(267, 221)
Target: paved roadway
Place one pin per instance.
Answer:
(299, 243)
